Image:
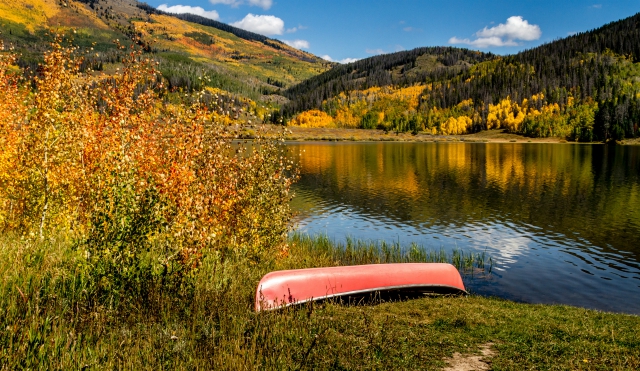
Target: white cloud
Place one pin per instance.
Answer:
(261, 24)
(264, 4)
(343, 61)
(596, 6)
(298, 44)
(516, 28)
(507, 34)
(179, 9)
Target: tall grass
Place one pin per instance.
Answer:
(50, 319)
(356, 252)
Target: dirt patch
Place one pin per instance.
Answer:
(482, 362)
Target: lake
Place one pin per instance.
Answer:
(560, 221)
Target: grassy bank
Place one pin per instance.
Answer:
(51, 317)
(373, 135)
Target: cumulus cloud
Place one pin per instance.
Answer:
(507, 34)
(343, 61)
(264, 4)
(261, 24)
(298, 44)
(179, 9)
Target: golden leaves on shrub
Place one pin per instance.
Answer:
(106, 158)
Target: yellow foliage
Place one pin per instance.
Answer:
(537, 97)
(313, 119)
(30, 13)
(508, 114)
(387, 102)
(410, 94)
(466, 103)
(455, 126)
(346, 118)
(90, 156)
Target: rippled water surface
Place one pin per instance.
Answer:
(562, 222)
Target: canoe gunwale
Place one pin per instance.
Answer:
(422, 288)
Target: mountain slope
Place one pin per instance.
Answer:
(400, 68)
(188, 47)
(584, 87)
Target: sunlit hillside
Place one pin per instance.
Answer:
(585, 87)
(251, 66)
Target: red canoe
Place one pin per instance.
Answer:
(284, 288)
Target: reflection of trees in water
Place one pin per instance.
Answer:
(592, 191)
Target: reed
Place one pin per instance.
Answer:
(356, 252)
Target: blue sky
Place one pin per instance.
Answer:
(346, 30)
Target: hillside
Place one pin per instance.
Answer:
(187, 47)
(584, 87)
(401, 69)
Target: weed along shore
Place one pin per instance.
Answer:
(297, 133)
(51, 319)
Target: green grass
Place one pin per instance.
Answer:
(51, 318)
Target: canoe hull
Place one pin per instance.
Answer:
(284, 288)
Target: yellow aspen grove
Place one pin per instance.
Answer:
(455, 126)
(345, 118)
(312, 119)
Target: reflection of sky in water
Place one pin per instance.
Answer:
(559, 222)
(528, 265)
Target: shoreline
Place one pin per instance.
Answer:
(298, 134)
(69, 330)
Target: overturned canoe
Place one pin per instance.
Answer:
(290, 287)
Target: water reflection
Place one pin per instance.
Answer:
(563, 221)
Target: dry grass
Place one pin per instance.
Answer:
(333, 134)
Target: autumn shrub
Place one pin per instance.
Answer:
(140, 184)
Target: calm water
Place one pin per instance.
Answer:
(562, 222)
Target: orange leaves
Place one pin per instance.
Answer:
(12, 111)
(109, 158)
